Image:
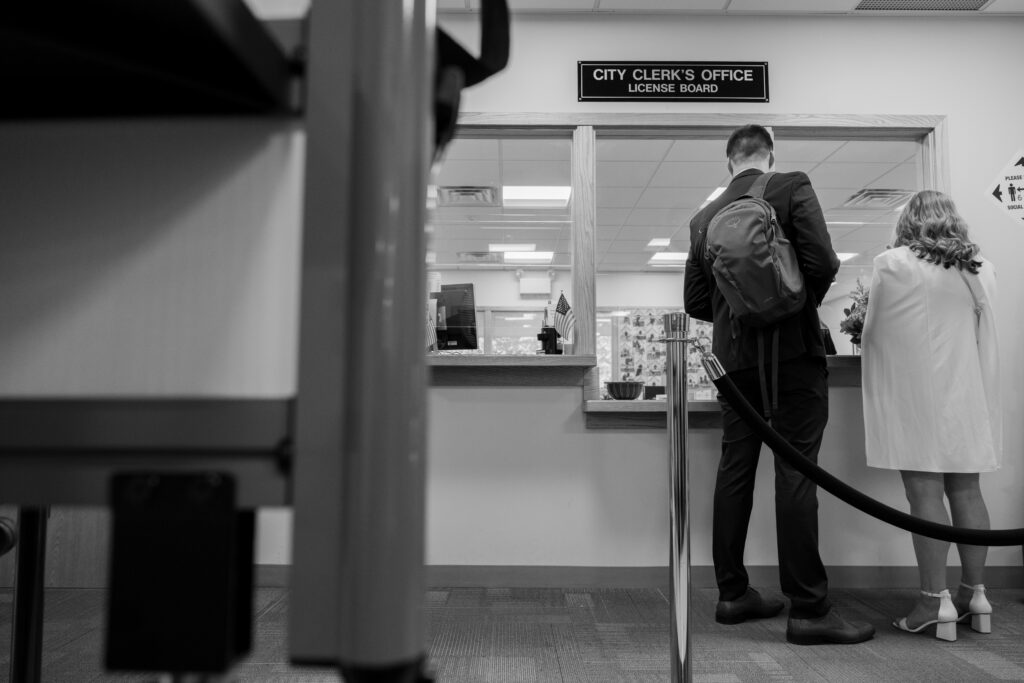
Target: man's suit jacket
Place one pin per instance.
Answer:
(803, 224)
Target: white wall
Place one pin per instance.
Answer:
(500, 288)
(547, 491)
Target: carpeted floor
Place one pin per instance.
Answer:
(522, 635)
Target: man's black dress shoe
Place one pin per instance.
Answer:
(831, 628)
(749, 606)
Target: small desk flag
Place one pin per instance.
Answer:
(565, 319)
(431, 332)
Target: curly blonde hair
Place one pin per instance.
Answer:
(933, 229)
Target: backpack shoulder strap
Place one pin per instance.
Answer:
(757, 189)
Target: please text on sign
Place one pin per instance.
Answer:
(692, 81)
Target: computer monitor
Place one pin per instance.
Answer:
(456, 318)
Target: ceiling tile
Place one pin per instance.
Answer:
(625, 173)
(790, 166)
(618, 197)
(633, 245)
(455, 172)
(903, 177)
(690, 174)
(641, 233)
(672, 198)
(658, 217)
(471, 148)
(698, 150)
(858, 175)
(613, 217)
(611, 149)
(805, 150)
(876, 150)
(536, 173)
(529, 149)
(623, 258)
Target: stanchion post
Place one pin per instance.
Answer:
(676, 328)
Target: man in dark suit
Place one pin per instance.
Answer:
(802, 391)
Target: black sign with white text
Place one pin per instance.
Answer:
(688, 81)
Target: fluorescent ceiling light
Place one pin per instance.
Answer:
(659, 243)
(536, 196)
(845, 222)
(713, 196)
(431, 257)
(845, 256)
(668, 257)
(529, 256)
(511, 247)
(524, 316)
(619, 314)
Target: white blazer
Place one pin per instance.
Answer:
(930, 374)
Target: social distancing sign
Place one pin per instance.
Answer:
(1008, 188)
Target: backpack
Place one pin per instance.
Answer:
(756, 269)
(754, 265)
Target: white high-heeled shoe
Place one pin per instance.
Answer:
(979, 610)
(944, 621)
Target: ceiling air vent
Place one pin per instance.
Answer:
(479, 257)
(921, 5)
(468, 195)
(874, 198)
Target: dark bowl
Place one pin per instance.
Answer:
(625, 391)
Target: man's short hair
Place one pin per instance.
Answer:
(749, 141)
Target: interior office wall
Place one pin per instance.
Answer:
(500, 288)
(818, 65)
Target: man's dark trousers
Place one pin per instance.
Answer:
(801, 418)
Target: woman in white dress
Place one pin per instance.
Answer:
(930, 368)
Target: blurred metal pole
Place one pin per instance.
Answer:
(677, 326)
(360, 468)
(383, 474)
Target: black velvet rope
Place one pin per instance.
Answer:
(850, 495)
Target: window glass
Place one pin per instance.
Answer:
(514, 332)
(629, 348)
(650, 184)
(500, 224)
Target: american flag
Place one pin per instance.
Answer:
(565, 319)
(431, 332)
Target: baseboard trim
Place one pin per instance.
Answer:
(521, 576)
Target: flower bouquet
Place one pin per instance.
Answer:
(853, 323)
